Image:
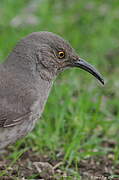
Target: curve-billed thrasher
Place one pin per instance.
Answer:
(26, 78)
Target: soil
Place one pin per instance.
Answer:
(32, 165)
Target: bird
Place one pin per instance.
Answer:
(26, 78)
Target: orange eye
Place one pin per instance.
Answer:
(61, 54)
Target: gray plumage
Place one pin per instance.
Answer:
(26, 78)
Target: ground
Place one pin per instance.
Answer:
(34, 165)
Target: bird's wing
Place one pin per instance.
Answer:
(16, 97)
(12, 118)
(14, 109)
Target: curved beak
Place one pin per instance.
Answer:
(89, 68)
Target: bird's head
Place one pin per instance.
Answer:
(55, 54)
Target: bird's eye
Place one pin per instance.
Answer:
(61, 54)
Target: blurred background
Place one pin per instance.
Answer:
(81, 118)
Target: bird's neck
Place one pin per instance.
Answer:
(26, 62)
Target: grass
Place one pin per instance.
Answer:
(80, 114)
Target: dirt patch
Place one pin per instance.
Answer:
(99, 168)
(32, 165)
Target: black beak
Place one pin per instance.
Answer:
(87, 67)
